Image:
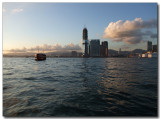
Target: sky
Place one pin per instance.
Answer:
(27, 27)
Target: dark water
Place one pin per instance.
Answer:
(80, 87)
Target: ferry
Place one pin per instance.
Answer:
(153, 55)
(40, 56)
(149, 55)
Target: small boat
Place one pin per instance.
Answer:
(40, 56)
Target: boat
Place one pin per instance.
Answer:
(153, 55)
(40, 56)
(150, 55)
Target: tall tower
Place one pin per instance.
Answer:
(85, 42)
(95, 48)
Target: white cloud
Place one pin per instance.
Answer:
(17, 10)
(48, 48)
(129, 32)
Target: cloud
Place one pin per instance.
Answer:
(71, 47)
(17, 10)
(48, 48)
(129, 32)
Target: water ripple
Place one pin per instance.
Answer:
(80, 87)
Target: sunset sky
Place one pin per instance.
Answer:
(58, 26)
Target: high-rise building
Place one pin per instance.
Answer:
(154, 48)
(149, 46)
(95, 48)
(85, 42)
(104, 49)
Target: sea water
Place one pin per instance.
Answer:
(80, 87)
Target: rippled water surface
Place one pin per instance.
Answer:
(80, 87)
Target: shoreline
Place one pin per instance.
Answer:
(64, 57)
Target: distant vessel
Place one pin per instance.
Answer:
(40, 56)
(153, 55)
(150, 55)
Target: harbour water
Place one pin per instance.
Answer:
(80, 87)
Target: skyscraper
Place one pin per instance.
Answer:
(85, 42)
(95, 48)
(154, 48)
(149, 46)
(104, 49)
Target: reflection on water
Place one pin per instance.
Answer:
(80, 87)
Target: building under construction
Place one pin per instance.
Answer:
(85, 42)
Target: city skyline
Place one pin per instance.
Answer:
(58, 26)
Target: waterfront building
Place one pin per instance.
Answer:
(104, 49)
(74, 53)
(79, 54)
(149, 46)
(150, 55)
(154, 48)
(85, 42)
(95, 48)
